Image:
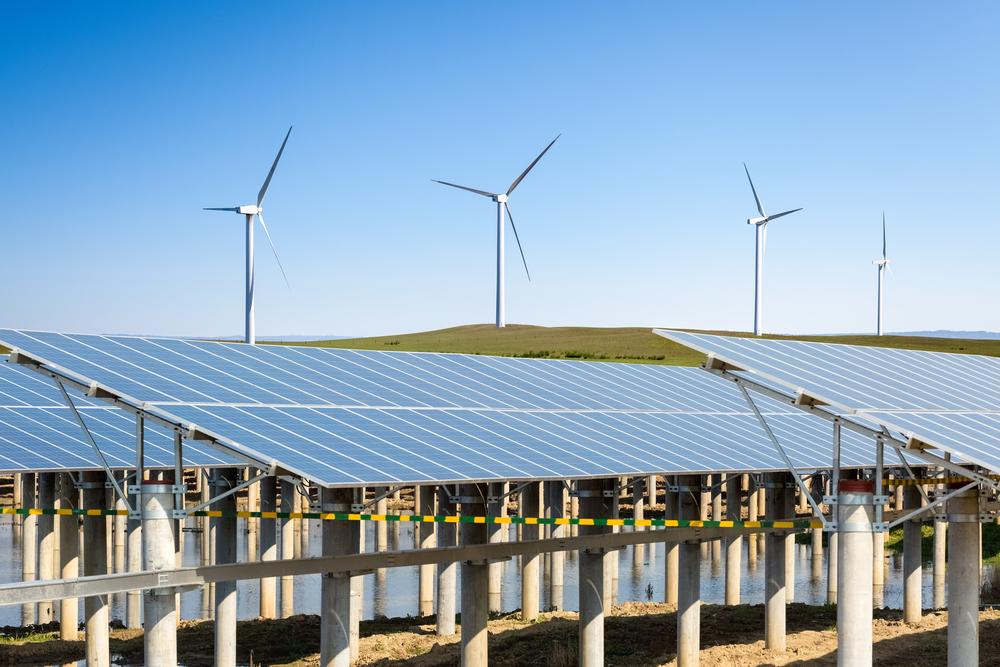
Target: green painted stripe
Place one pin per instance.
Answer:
(437, 518)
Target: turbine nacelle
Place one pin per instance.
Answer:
(249, 209)
(881, 262)
(756, 221)
(500, 199)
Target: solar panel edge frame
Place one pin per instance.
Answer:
(864, 413)
(44, 367)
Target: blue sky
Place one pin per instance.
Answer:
(120, 121)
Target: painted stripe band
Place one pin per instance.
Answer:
(440, 518)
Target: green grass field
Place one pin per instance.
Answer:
(630, 344)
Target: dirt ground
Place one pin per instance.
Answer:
(635, 634)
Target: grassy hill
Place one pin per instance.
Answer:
(631, 344)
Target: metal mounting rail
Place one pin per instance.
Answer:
(58, 589)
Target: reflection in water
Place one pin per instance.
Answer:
(393, 592)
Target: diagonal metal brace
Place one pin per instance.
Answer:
(93, 443)
(236, 489)
(930, 506)
(781, 450)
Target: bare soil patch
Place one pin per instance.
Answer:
(637, 634)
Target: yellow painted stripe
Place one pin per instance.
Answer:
(451, 519)
(586, 522)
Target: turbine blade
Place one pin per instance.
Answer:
(462, 187)
(230, 208)
(883, 235)
(760, 207)
(271, 243)
(531, 166)
(267, 181)
(763, 239)
(518, 239)
(782, 214)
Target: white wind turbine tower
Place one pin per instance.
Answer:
(883, 265)
(251, 210)
(760, 224)
(502, 205)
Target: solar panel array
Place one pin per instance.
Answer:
(350, 417)
(951, 401)
(39, 433)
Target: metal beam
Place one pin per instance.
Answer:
(31, 591)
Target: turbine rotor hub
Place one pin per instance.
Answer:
(500, 199)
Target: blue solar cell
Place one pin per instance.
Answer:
(356, 417)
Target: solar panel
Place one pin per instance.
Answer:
(950, 401)
(39, 433)
(350, 417)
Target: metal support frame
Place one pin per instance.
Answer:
(93, 443)
(784, 457)
(93, 389)
(389, 490)
(929, 507)
(55, 589)
(512, 491)
(236, 489)
(853, 425)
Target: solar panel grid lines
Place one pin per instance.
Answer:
(353, 417)
(948, 401)
(878, 378)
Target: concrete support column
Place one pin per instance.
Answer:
(225, 552)
(556, 509)
(855, 514)
(689, 579)
(611, 558)
(780, 505)
(446, 571)
(734, 544)
(47, 539)
(651, 497)
(912, 557)
(940, 566)
(832, 558)
(638, 513)
(95, 563)
(159, 605)
(494, 533)
(69, 556)
(963, 578)
(29, 543)
(356, 535)
(335, 594)
(705, 511)
(133, 599)
(268, 537)
(593, 503)
(673, 550)
(528, 505)
(720, 484)
(119, 538)
(753, 513)
(817, 533)
(382, 527)
(425, 540)
(288, 542)
(475, 580)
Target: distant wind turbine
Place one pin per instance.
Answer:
(502, 206)
(251, 210)
(760, 224)
(883, 265)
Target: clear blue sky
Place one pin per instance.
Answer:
(120, 121)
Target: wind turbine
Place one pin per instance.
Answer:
(883, 265)
(501, 200)
(760, 224)
(251, 210)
